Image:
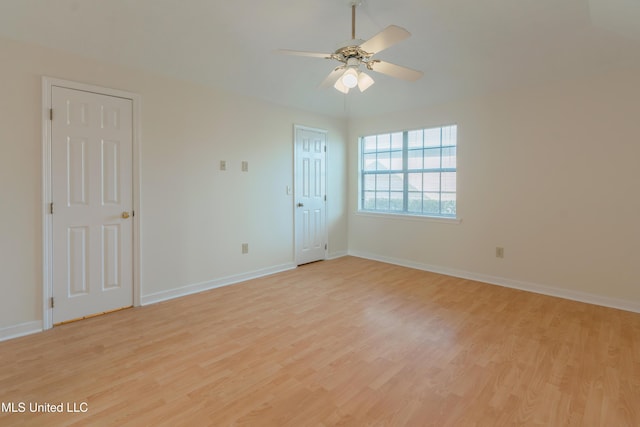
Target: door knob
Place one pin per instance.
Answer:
(300, 205)
(125, 215)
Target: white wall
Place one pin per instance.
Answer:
(549, 173)
(194, 217)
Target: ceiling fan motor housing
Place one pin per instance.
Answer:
(352, 52)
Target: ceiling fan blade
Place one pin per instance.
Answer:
(384, 39)
(332, 77)
(394, 70)
(303, 53)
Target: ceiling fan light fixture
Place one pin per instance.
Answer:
(340, 86)
(364, 81)
(350, 78)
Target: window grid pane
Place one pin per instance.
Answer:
(415, 158)
(412, 172)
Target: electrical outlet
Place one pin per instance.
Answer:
(499, 252)
(245, 166)
(223, 165)
(245, 248)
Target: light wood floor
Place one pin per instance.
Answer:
(344, 342)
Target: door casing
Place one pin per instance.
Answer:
(47, 220)
(297, 259)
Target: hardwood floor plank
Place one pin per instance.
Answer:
(343, 342)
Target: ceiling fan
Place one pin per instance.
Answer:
(355, 52)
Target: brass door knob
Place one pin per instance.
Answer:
(125, 215)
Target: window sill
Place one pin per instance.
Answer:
(409, 217)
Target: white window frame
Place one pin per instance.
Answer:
(399, 153)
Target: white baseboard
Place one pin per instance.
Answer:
(509, 283)
(338, 254)
(20, 330)
(212, 284)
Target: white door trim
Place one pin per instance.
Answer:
(47, 230)
(295, 181)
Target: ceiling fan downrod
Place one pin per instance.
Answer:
(353, 21)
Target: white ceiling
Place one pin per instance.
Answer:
(464, 47)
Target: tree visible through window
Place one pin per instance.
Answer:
(410, 172)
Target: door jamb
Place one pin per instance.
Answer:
(295, 189)
(47, 221)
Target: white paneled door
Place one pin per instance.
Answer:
(92, 225)
(310, 195)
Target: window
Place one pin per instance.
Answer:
(410, 172)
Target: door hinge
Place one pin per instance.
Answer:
(325, 246)
(51, 114)
(325, 197)
(325, 148)
(51, 208)
(51, 304)
(133, 213)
